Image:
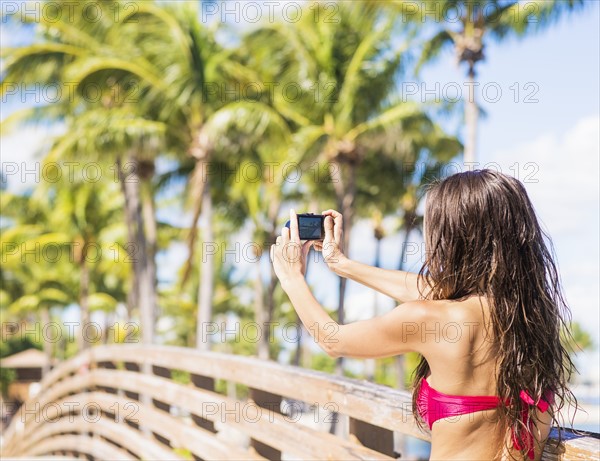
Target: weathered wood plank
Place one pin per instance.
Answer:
(37, 409)
(271, 428)
(159, 422)
(377, 405)
(93, 446)
(121, 434)
(180, 435)
(576, 445)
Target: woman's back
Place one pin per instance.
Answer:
(462, 362)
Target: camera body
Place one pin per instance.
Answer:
(310, 226)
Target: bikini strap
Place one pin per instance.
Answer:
(527, 438)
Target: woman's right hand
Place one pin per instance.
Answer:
(331, 246)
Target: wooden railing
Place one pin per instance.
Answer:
(161, 403)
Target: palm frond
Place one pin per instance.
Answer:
(433, 47)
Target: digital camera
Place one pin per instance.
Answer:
(310, 226)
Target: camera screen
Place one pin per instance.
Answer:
(309, 227)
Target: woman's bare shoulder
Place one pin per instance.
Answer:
(450, 328)
(471, 309)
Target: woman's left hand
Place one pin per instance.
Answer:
(289, 253)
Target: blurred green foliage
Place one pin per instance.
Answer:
(155, 128)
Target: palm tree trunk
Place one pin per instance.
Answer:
(345, 190)
(145, 278)
(298, 352)
(206, 285)
(84, 287)
(471, 119)
(270, 307)
(400, 361)
(371, 364)
(299, 328)
(408, 230)
(270, 298)
(139, 253)
(400, 368)
(261, 313)
(146, 287)
(129, 211)
(45, 320)
(151, 233)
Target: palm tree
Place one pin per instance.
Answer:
(378, 235)
(58, 230)
(174, 60)
(333, 126)
(476, 20)
(262, 201)
(100, 135)
(77, 53)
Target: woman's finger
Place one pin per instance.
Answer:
(328, 224)
(333, 213)
(338, 224)
(306, 246)
(337, 230)
(294, 232)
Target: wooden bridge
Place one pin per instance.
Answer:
(167, 403)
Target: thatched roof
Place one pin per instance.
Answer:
(31, 358)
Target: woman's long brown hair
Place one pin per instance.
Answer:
(482, 238)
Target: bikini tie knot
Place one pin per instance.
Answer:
(542, 405)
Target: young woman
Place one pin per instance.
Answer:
(485, 313)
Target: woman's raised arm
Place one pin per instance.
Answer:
(399, 285)
(396, 332)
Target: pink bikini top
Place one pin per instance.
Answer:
(433, 405)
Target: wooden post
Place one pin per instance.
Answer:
(270, 402)
(374, 437)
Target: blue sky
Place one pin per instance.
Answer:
(555, 139)
(558, 136)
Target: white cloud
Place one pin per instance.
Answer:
(566, 198)
(560, 173)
